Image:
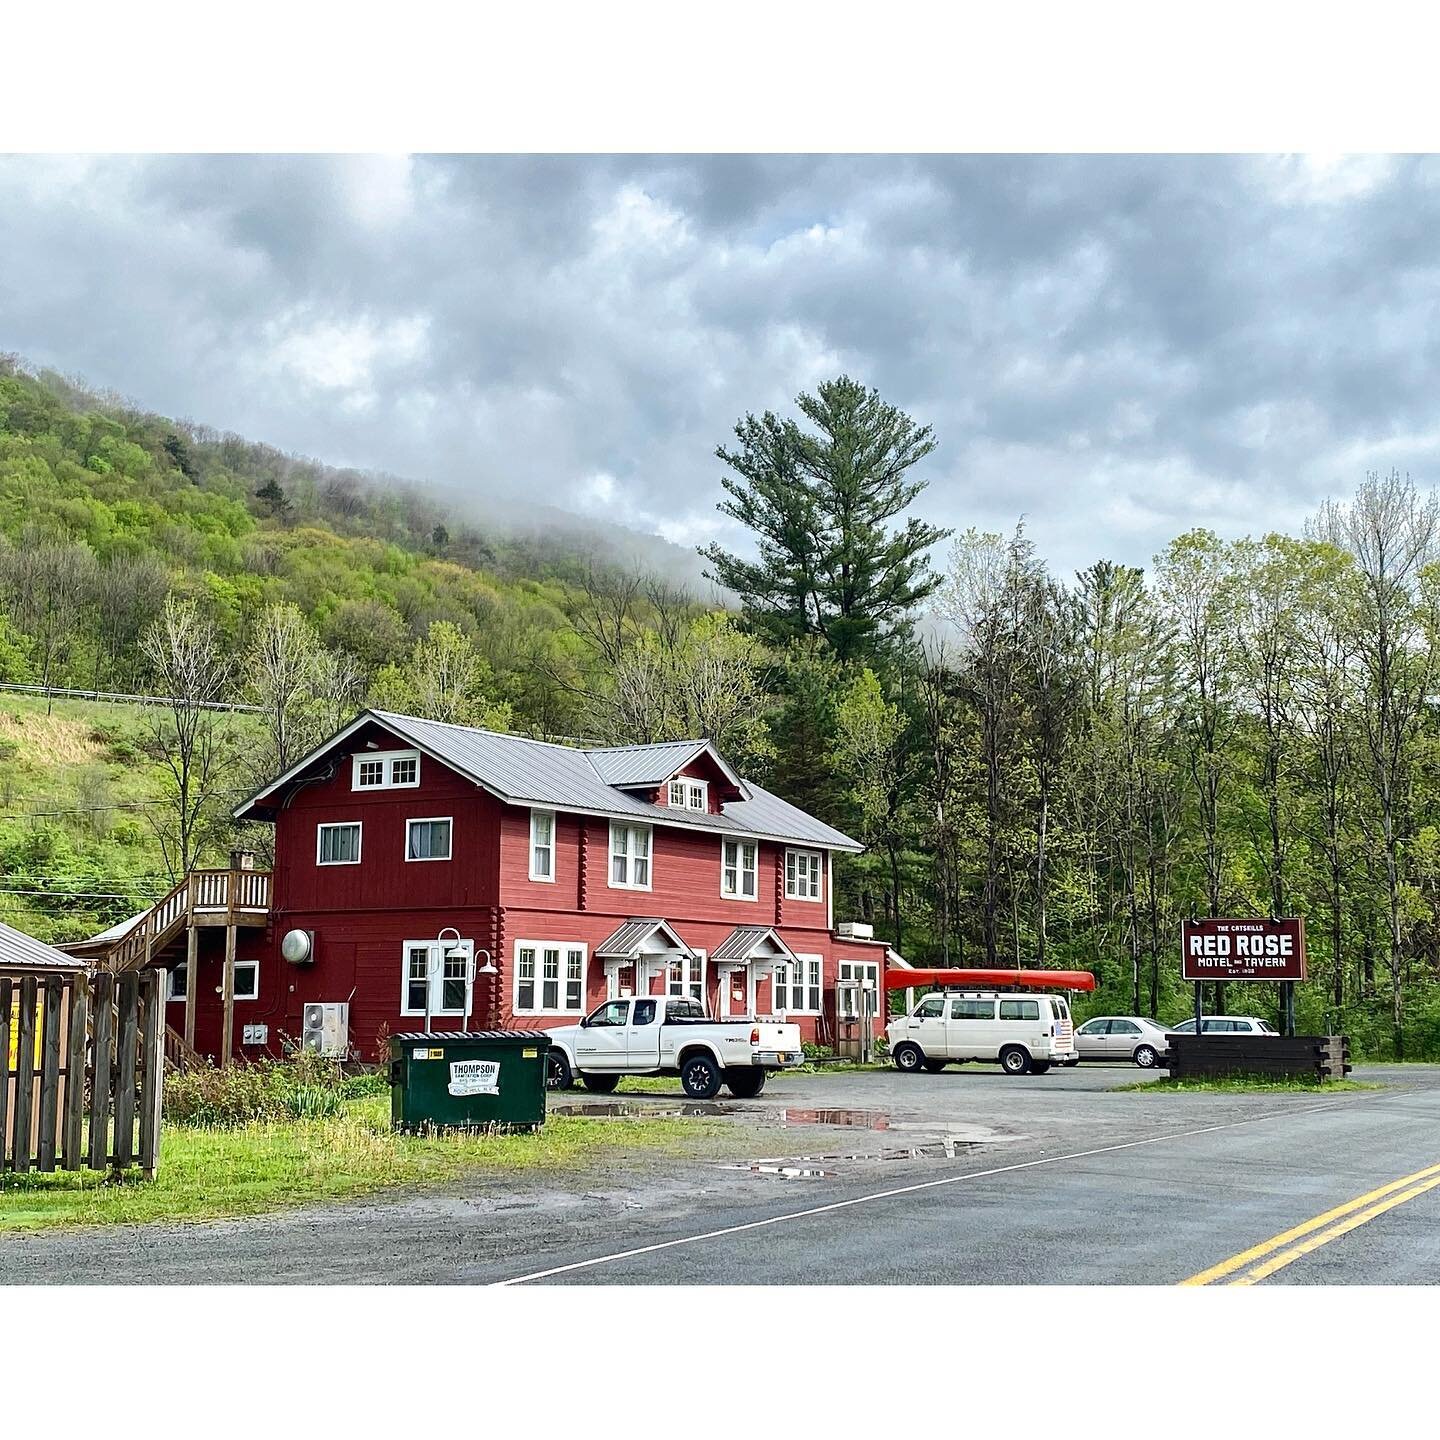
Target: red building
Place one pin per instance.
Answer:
(579, 874)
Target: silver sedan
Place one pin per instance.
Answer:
(1123, 1037)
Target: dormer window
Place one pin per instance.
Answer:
(687, 794)
(386, 770)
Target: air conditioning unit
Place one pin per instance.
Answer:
(855, 930)
(325, 1029)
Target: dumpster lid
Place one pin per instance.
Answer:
(448, 1037)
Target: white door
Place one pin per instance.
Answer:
(1124, 1037)
(603, 1038)
(974, 1032)
(733, 993)
(926, 1025)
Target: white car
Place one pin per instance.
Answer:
(1227, 1025)
(656, 1035)
(1123, 1037)
(1024, 1033)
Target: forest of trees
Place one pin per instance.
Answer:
(1046, 769)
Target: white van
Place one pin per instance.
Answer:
(1024, 1033)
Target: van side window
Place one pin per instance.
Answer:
(972, 1010)
(930, 1008)
(1019, 1009)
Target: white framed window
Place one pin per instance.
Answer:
(542, 845)
(247, 980)
(685, 975)
(428, 839)
(549, 977)
(797, 986)
(338, 844)
(739, 862)
(175, 983)
(802, 875)
(687, 794)
(385, 770)
(629, 856)
(442, 970)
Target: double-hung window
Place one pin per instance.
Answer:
(802, 874)
(629, 856)
(737, 869)
(549, 978)
(542, 845)
(442, 972)
(797, 986)
(338, 844)
(386, 770)
(427, 839)
(686, 976)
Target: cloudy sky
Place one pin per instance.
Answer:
(1118, 348)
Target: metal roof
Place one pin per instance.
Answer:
(644, 764)
(744, 940)
(19, 951)
(627, 940)
(563, 777)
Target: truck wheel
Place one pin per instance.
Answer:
(1015, 1060)
(601, 1084)
(745, 1082)
(909, 1058)
(559, 1075)
(1039, 1067)
(936, 1066)
(701, 1078)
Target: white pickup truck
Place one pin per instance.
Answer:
(665, 1035)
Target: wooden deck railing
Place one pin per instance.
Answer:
(220, 897)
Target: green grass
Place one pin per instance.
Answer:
(1253, 1084)
(207, 1174)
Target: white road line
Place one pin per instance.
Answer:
(901, 1190)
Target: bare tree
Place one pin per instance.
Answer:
(284, 669)
(130, 592)
(191, 741)
(49, 585)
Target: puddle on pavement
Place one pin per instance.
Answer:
(784, 1171)
(863, 1119)
(662, 1111)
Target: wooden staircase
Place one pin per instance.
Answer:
(235, 897)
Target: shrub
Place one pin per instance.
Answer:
(302, 1086)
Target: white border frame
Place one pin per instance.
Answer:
(340, 825)
(562, 946)
(429, 859)
(820, 871)
(799, 960)
(739, 871)
(554, 826)
(610, 880)
(247, 965)
(389, 757)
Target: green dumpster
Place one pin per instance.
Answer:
(468, 1078)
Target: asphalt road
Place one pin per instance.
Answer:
(964, 1178)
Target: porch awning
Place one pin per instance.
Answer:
(639, 937)
(752, 942)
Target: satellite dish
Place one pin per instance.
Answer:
(298, 946)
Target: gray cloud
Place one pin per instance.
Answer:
(1119, 347)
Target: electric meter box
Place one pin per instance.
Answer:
(468, 1079)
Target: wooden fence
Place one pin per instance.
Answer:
(82, 1071)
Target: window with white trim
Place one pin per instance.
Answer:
(686, 976)
(175, 984)
(385, 770)
(738, 866)
(867, 972)
(542, 845)
(803, 869)
(629, 856)
(247, 980)
(687, 794)
(338, 844)
(549, 978)
(797, 986)
(428, 839)
(443, 970)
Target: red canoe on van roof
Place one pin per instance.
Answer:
(898, 979)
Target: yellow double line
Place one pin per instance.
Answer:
(1259, 1262)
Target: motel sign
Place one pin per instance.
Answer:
(1242, 949)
